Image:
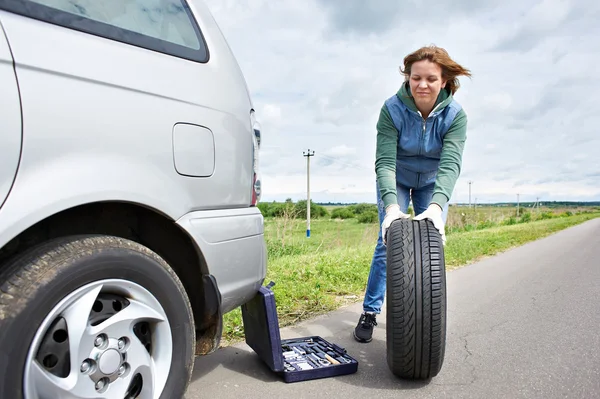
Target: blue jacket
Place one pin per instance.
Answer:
(419, 141)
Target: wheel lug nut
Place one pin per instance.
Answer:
(122, 369)
(85, 366)
(100, 385)
(99, 341)
(121, 344)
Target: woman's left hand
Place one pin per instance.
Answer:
(434, 213)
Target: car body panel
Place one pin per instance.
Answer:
(99, 119)
(10, 121)
(238, 280)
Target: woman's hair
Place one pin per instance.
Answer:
(450, 69)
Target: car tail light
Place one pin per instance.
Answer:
(256, 182)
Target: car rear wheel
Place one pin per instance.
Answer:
(416, 299)
(93, 316)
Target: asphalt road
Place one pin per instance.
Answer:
(523, 324)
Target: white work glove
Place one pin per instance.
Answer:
(434, 213)
(392, 212)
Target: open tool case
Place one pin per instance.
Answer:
(296, 359)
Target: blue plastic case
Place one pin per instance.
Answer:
(261, 328)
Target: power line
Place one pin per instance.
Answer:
(344, 163)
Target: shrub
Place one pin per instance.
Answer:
(526, 217)
(264, 208)
(316, 211)
(485, 224)
(469, 227)
(361, 208)
(289, 209)
(510, 221)
(268, 208)
(277, 209)
(342, 213)
(368, 217)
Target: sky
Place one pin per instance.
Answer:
(320, 70)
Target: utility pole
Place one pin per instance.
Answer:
(470, 193)
(308, 154)
(517, 204)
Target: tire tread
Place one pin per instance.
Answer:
(416, 300)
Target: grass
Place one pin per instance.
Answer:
(328, 270)
(469, 246)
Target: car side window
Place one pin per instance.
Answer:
(162, 25)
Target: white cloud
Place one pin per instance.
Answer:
(548, 14)
(342, 150)
(501, 100)
(271, 112)
(319, 72)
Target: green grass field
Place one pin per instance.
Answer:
(321, 273)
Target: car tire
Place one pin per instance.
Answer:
(416, 300)
(136, 309)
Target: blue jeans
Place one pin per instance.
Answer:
(376, 283)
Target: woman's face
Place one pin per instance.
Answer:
(426, 82)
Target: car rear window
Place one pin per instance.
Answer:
(167, 26)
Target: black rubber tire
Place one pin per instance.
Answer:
(416, 300)
(34, 282)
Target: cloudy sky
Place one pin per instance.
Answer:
(320, 70)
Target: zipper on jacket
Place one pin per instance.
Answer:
(422, 138)
(425, 126)
(422, 141)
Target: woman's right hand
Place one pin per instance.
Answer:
(392, 212)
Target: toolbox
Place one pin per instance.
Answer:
(296, 359)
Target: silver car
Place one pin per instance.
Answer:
(128, 189)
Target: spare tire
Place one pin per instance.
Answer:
(416, 299)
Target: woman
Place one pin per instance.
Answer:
(421, 135)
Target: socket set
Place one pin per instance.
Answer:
(311, 353)
(296, 359)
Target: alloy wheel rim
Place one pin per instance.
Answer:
(109, 338)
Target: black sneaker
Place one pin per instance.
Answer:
(364, 330)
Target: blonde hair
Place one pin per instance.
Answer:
(451, 70)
